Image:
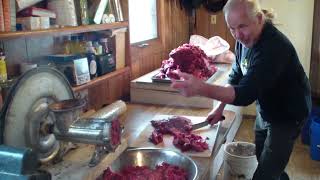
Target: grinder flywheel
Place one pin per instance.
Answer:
(25, 113)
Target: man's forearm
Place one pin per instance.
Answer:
(220, 106)
(224, 94)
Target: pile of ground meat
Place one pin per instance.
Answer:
(180, 128)
(115, 133)
(164, 171)
(187, 58)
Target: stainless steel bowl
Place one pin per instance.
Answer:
(154, 156)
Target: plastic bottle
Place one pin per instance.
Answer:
(3, 67)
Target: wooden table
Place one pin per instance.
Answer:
(138, 116)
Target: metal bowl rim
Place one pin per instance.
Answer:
(169, 150)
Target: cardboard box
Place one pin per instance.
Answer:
(34, 23)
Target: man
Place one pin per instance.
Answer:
(267, 70)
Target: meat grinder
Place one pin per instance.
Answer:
(40, 118)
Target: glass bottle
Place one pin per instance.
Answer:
(91, 59)
(84, 15)
(67, 45)
(76, 48)
(82, 45)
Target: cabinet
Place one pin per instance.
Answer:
(23, 45)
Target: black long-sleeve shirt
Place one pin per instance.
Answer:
(271, 73)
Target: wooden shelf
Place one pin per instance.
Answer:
(100, 79)
(63, 31)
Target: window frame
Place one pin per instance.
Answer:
(154, 41)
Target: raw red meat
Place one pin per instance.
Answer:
(186, 142)
(115, 133)
(163, 171)
(187, 58)
(156, 137)
(180, 128)
(175, 123)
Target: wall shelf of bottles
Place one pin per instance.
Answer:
(63, 31)
(100, 79)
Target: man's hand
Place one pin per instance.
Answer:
(216, 114)
(189, 85)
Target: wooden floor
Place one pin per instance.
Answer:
(300, 167)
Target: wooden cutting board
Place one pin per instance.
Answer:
(208, 131)
(75, 164)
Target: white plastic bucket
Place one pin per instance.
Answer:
(240, 161)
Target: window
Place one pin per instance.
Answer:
(143, 20)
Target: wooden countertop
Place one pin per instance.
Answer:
(138, 116)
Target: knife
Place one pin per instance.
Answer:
(203, 124)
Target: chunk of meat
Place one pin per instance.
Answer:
(187, 58)
(187, 142)
(156, 137)
(180, 127)
(175, 123)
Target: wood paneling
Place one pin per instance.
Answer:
(206, 28)
(315, 52)
(110, 90)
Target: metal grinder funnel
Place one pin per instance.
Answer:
(105, 133)
(66, 112)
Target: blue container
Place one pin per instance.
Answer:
(305, 132)
(315, 139)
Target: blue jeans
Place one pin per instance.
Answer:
(274, 144)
